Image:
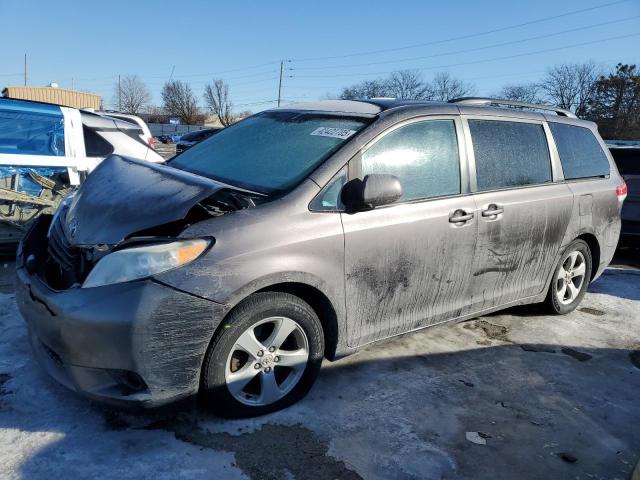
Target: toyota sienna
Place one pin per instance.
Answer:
(307, 232)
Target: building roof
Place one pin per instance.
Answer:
(55, 95)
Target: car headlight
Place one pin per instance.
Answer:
(140, 262)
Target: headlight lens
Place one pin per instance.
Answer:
(140, 262)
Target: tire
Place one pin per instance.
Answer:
(238, 381)
(570, 275)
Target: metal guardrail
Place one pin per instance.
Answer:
(170, 129)
(165, 150)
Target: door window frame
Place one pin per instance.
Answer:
(556, 168)
(354, 165)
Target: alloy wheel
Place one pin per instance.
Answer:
(570, 277)
(267, 361)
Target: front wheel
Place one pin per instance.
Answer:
(265, 357)
(570, 278)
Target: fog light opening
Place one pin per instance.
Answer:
(129, 382)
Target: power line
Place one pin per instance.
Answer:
(462, 37)
(252, 75)
(474, 62)
(113, 77)
(231, 82)
(468, 50)
(218, 73)
(264, 102)
(254, 103)
(503, 75)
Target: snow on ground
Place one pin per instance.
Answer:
(552, 397)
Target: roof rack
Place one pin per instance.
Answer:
(483, 101)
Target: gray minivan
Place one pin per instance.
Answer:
(306, 232)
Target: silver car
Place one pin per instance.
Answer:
(307, 232)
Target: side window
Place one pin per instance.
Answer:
(509, 154)
(328, 199)
(94, 144)
(31, 133)
(423, 155)
(580, 153)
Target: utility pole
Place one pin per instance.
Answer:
(25, 69)
(119, 95)
(280, 84)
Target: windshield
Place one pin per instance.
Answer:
(270, 152)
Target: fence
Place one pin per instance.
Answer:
(168, 129)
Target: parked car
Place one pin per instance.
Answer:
(627, 158)
(45, 150)
(165, 138)
(307, 232)
(146, 133)
(190, 139)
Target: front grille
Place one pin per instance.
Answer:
(59, 248)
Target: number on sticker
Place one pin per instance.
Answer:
(333, 132)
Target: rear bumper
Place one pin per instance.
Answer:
(133, 344)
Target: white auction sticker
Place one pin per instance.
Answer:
(333, 132)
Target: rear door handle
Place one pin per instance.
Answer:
(460, 216)
(492, 210)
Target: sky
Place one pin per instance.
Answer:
(325, 45)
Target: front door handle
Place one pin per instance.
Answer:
(492, 210)
(460, 216)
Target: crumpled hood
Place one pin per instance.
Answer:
(123, 196)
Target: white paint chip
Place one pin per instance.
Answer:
(474, 437)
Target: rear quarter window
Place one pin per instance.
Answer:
(94, 144)
(580, 152)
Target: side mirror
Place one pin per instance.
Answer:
(375, 190)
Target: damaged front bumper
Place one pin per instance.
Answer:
(137, 343)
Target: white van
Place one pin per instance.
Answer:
(46, 150)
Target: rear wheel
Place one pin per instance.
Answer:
(265, 357)
(570, 278)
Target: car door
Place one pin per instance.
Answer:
(524, 208)
(408, 264)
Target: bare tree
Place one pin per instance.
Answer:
(407, 84)
(243, 114)
(366, 89)
(444, 87)
(529, 93)
(131, 95)
(178, 99)
(571, 86)
(217, 98)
